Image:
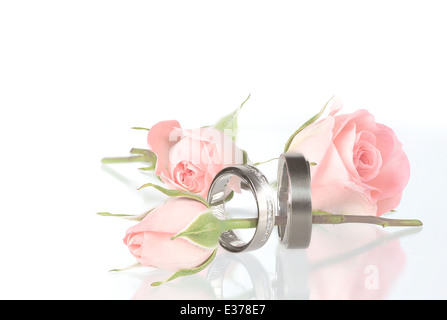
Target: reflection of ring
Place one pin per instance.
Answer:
(292, 275)
(259, 186)
(294, 200)
(259, 277)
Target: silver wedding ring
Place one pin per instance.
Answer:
(259, 186)
(294, 201)
(293, 213)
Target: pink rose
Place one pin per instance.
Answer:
(190, 159)
(150, 240)
(361, 167)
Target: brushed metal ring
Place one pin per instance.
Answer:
(258, 184)
(294, 200)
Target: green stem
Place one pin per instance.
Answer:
(323, 217)
(384, 222)
(230, 224)
(140, 158)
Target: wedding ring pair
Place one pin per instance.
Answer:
(291, 210)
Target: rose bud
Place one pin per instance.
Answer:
(150, 240)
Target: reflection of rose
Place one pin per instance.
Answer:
(190, 159)
(150, 240)
(360, 168)
(350, 263)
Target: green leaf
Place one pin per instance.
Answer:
(229, 122)
(150, 168)
(176, 193)
(204, 230)
(141, 151)
(108, 214)
(230, 196)
(139, 158)
(305, 125)
(142, 155)
(245, 159)
(135, 265)
(188, 272)
(125, 216)
(140, 128)
(148, 155)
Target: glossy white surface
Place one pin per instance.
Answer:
(74, 77)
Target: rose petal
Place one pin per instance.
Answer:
(393, 176)
(234, 184)
(368, 160)
(341, 200)
(344, 143)
(313, 141)
(388, 204)
(160, 140)
(362, 118)
(164, 253)
(185, 150)
(335, 106)
(179, 212)
(134, 241)
(189, 176)
(332, 172)
(385, 141)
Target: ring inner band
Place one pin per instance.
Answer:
(259, 187)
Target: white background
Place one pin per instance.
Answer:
(76, 75)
